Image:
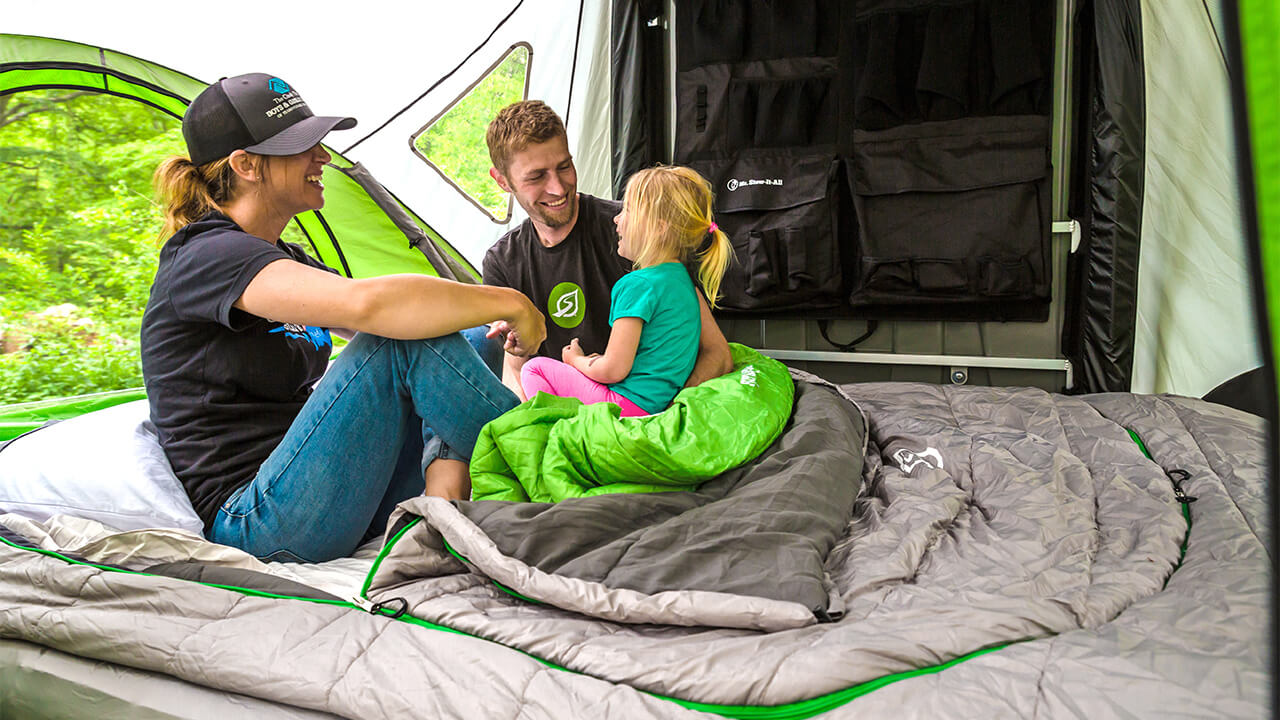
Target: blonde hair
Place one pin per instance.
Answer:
(669, 214)
(519, 125)
(188, 192)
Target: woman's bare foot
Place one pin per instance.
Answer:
(449, 479)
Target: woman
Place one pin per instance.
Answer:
(236, 334)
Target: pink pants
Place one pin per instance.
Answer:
(542, 374)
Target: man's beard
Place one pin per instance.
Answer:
(561, 218)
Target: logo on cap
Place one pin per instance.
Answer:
(278, 86)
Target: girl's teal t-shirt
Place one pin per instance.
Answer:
(663, 296)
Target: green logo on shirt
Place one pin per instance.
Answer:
(565, 305)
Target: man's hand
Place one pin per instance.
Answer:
(714, 357)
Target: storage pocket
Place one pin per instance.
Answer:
(940, 61)
(887, 276)
(778, 210)
(998, 277)
(941, 276)
(952, 213)
(942, 82)
(792, 25)
(717, 32)
(914, 278)
(1019, 33)
(781, 112)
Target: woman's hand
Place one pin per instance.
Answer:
(513, 342)
(525, 331)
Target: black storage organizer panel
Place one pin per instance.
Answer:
(880, 158)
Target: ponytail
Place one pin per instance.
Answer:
(713, 262)
(670, 214)
(188, 192)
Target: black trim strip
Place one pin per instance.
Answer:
(573, 70)
(436, 84)
(445, 265)
(135, 98)
(433, 233)
(342, 258)
(96, 70)
(307, 235)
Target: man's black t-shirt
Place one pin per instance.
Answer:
(569, 283)
(223, 385)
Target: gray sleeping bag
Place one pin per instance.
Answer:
(995, 553)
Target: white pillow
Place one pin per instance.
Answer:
(106, 465)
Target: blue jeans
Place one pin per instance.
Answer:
(383, 412)
(490, 350)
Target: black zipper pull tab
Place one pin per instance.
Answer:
(1179, 476)
(382, 608)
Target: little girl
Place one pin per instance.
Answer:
(654, 313)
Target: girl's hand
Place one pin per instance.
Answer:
(571, 351)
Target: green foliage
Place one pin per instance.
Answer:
(78, 227)
(455, 142)
(58, 356)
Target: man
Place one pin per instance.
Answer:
(564, 257)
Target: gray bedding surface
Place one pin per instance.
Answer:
(996, 553)
(39, 683)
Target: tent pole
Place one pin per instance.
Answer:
(1063, 114)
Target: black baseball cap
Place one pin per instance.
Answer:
(255, 112)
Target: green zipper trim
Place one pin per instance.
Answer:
(108, 568)
(382, 554)
(496, 584)
(1186, 511)
(823, 703)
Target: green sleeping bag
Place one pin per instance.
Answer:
(551, 448)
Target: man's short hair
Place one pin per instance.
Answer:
(518, 126)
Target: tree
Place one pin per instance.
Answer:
(454, 143)
(79, 229)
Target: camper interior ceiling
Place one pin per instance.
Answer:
(1010, 264)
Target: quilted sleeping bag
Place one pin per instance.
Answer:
(552, 448)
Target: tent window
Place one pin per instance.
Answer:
(78, 232)
(453, 142)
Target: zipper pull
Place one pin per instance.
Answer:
(1178, 476)
(381, 608)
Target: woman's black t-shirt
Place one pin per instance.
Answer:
(223, 385)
